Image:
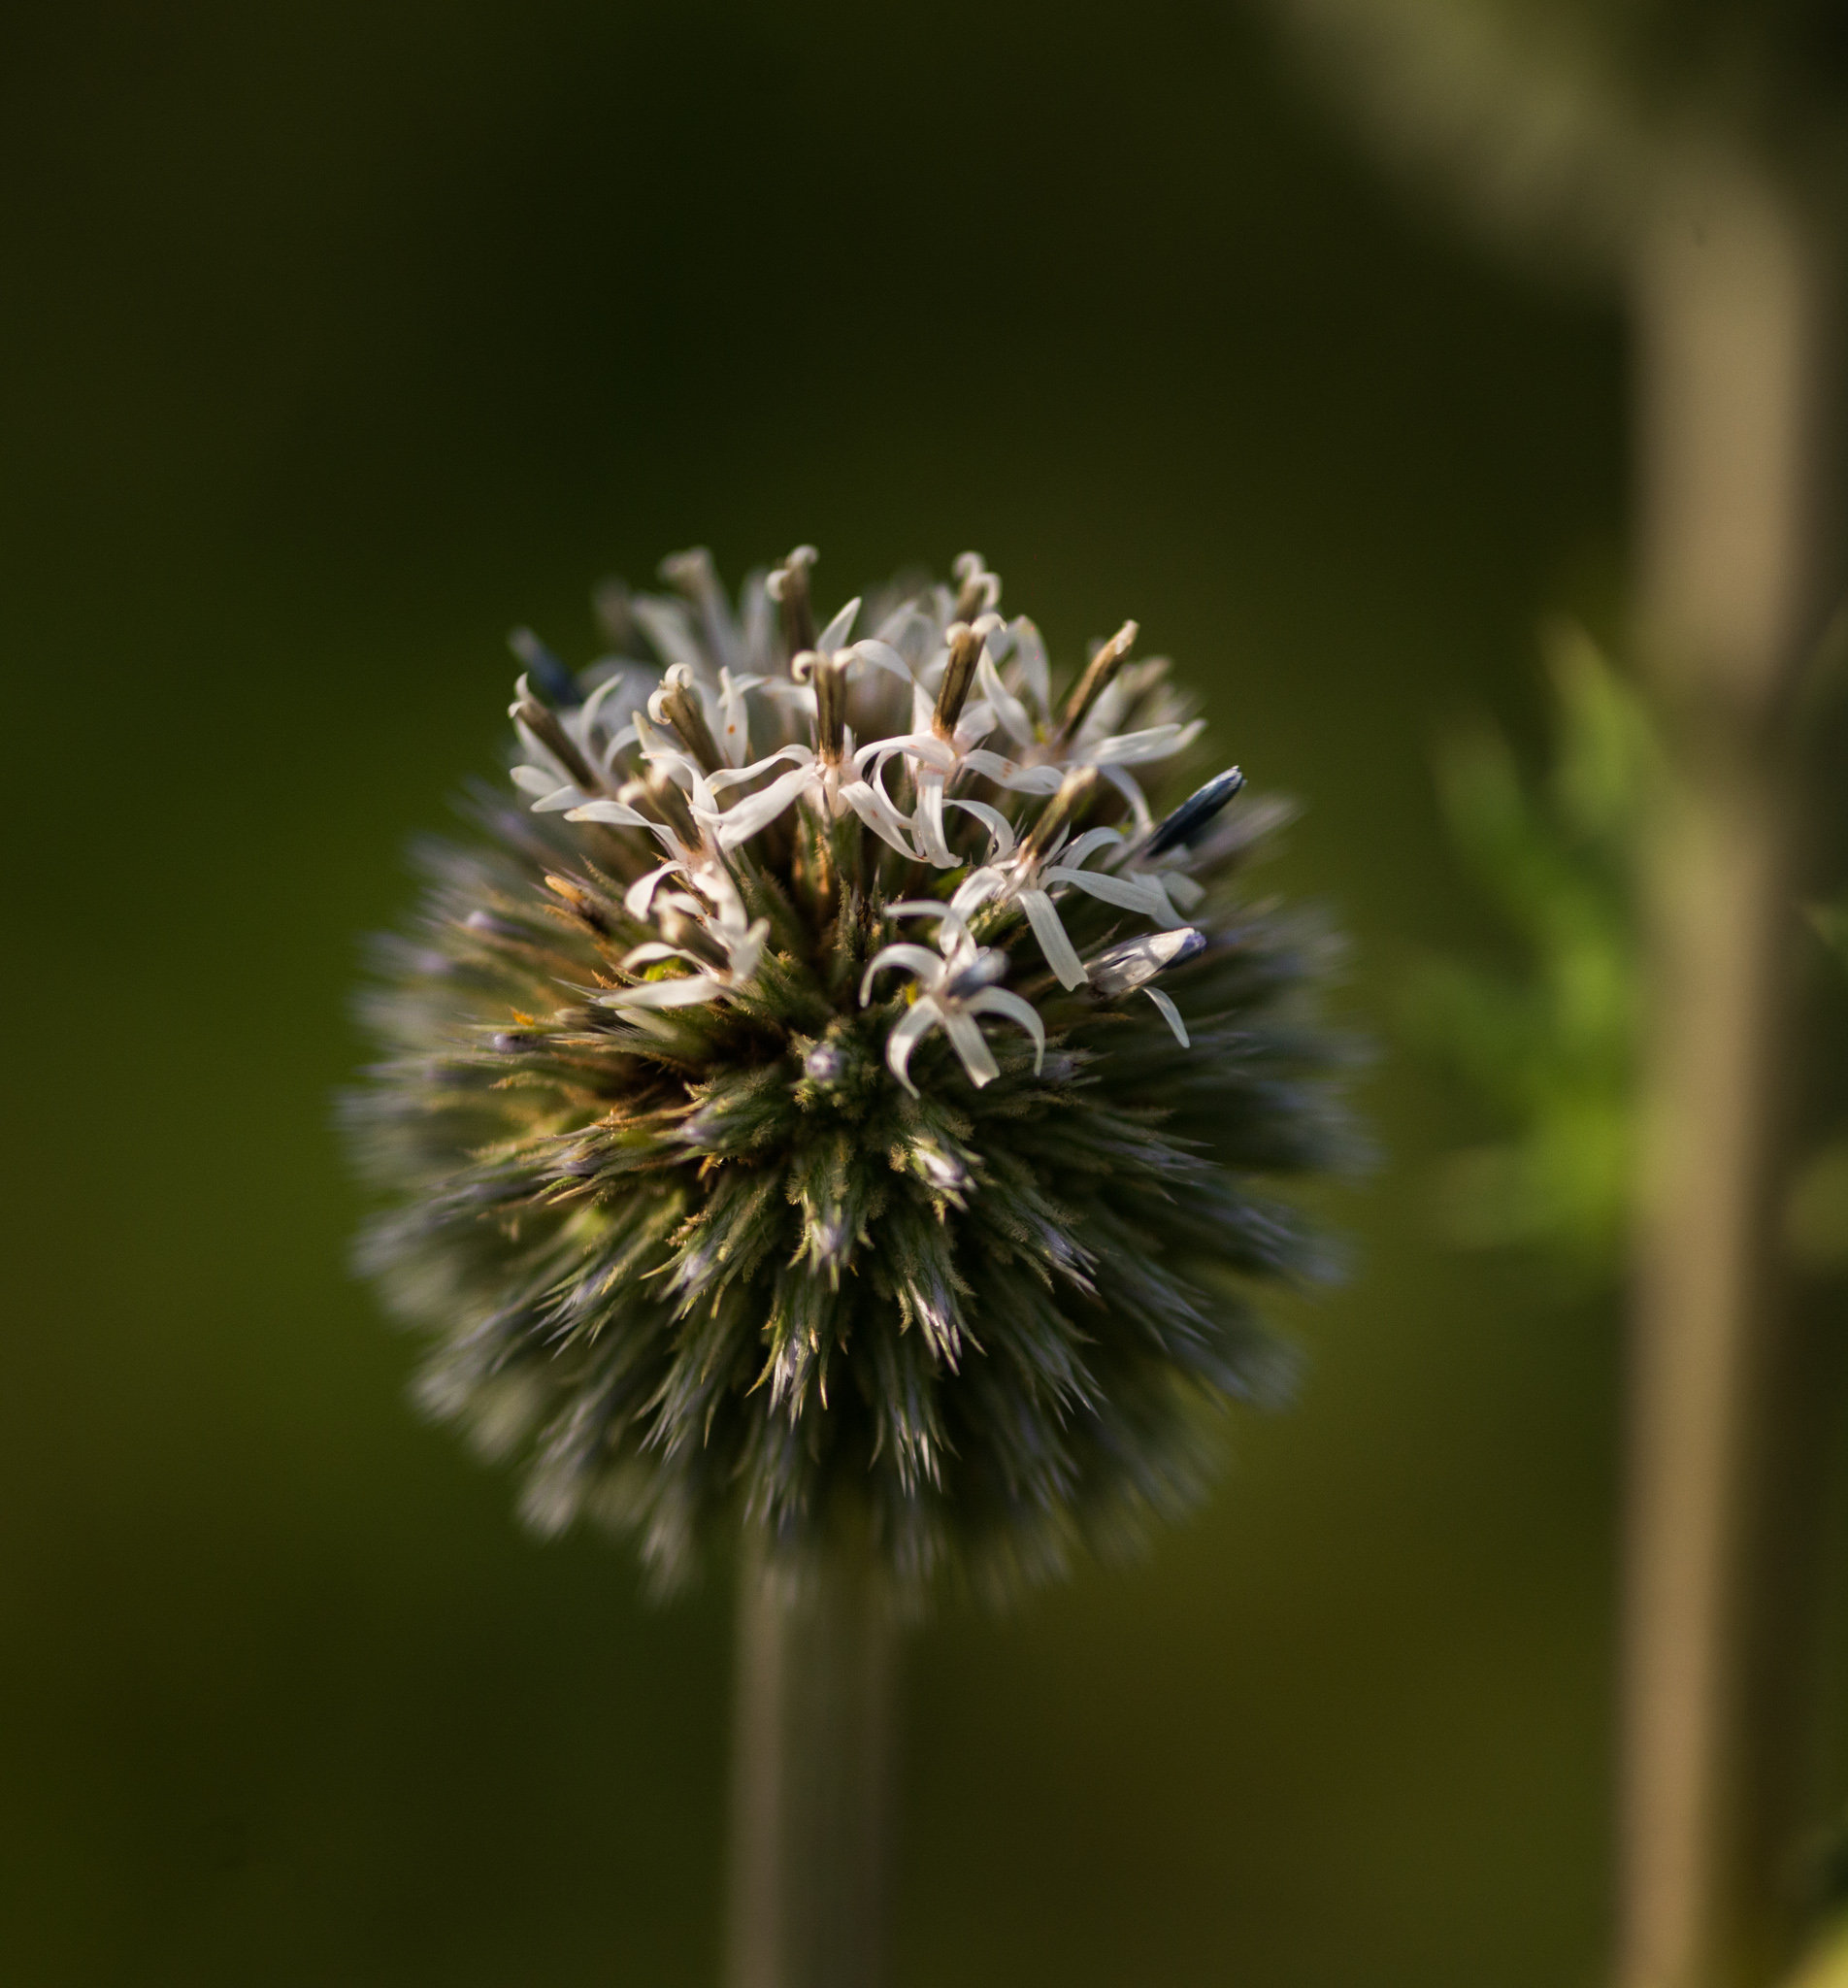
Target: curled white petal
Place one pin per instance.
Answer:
(995, 821)
(1171, 1013)
(1062, 956)
(1030, 651)
(1133, 748)
(999, 1001)
(1088, 843)
(613, 814)
(1009, 774)
(927, 824)
(952, 932)
(835, 635)
(640, 897)
(921, 744)
(653, 952)
(1007, 708)
(686, 990)
(873, 806)
(559, 800)
(977, 888)
(729, 776)
(969, 1042)
(1142, 894)
(735, 732)
(669, 628)
(759, 810)
(907, 1032)
(911, 959)
(883, 656)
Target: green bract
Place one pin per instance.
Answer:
(780, 1119)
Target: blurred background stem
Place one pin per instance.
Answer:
(812, 1771)
(1730, 311)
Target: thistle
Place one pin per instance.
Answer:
(833, 1098)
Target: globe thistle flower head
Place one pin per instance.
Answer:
(829, 1091)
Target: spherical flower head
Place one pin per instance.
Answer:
(829, 1094)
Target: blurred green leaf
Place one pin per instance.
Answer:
(1548, 1045)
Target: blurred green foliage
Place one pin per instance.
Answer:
(1816, 1209)
(1547, 1043)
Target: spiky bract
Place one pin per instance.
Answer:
(720, 1208)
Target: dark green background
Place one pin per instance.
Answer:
(336, 340)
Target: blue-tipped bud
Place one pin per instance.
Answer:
(1137, 961)
(556, 684)
(1195, 812)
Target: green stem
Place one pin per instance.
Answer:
(812, 1771)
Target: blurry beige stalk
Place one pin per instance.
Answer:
(1729, 307)
(1554, 138)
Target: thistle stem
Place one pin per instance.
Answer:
(1732, 363)
(812, 1771)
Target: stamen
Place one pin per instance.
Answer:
(1076, 793)
(581, 902)
(677, 929)
(676, 705)
(1097, 677)
(609, 603)
(979, 591)
(544, 727)
(965, 653)
(692, 574)
(695, 577)
(788, 587)
(664, 791)
(830, 681)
